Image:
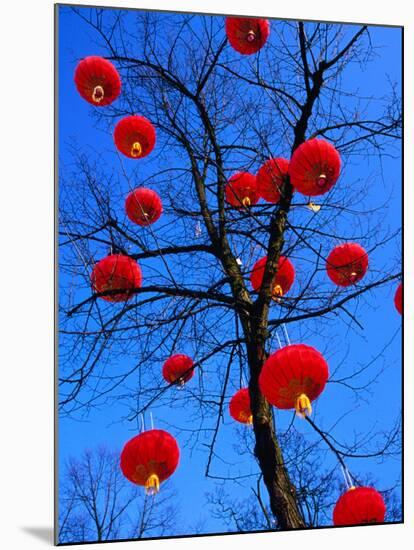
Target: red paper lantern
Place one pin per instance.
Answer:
(134, 137)
(359, 505)
(97, 81)
(143, 206)
(176, 369)
(283, 279)
(347, 264)
(314, 167)
(398, 299)
(241, 190)
(150, 458)
(240, 407)
(116, 272)
(293, 377)
(271, 177)
(247, 35)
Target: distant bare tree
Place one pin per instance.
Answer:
(97, 503)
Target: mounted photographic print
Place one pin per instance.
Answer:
(230, 296)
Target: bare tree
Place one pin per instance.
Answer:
(99, 504)
(215, 114)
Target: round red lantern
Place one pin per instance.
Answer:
(347, 264)
(134, 137)
(150, 458)
(314, 167)
(177, 369)
(116, 272)
(398, 299)
(283, 280)
(270, 178)
(359, 505)
(241, 190)
(240, 407)
(143, 206)
(247, 35)
(293, 377)
(97, 81)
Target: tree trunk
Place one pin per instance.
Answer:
(282, 493)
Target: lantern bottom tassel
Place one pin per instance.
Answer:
(246, 202)
(152, 485)
(277, 293)
(246, 418)
(136, 149)
(303, 406)
(98, 94)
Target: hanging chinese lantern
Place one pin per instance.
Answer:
(283, 280)
(270, 178)
(150, 458)
(177, 369)
(359, 505)
(143, 206)
(398, 299)
(116, 272)
(241, 190)
(240, 407)
(293, 377)
(134, 136)
(314, 167)
(247, 35)
(347, 264)
(97, 81)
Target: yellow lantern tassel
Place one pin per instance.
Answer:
(98, 94)
(136, 149)
(152, 485)
(303, 406)
(246, 202)
(246, 418)
(277, 293)
(321, 181)
(314, 207)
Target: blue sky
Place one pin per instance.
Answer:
(382, 325)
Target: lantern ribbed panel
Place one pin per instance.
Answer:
(285, 276)
(176, 367)
(143, 206)
(240, 406)
(314, 167)
(398, 298)
(247, 35)
(270, 178)
(242, 187)
(93, 72)
(359, 505)
(347, 264)
(116, 272)
(151, 452)
(133, 130)
(292, 371)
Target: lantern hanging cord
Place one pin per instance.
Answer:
(286, 334)
(347, 475)
(278, 340)
(347, 478)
